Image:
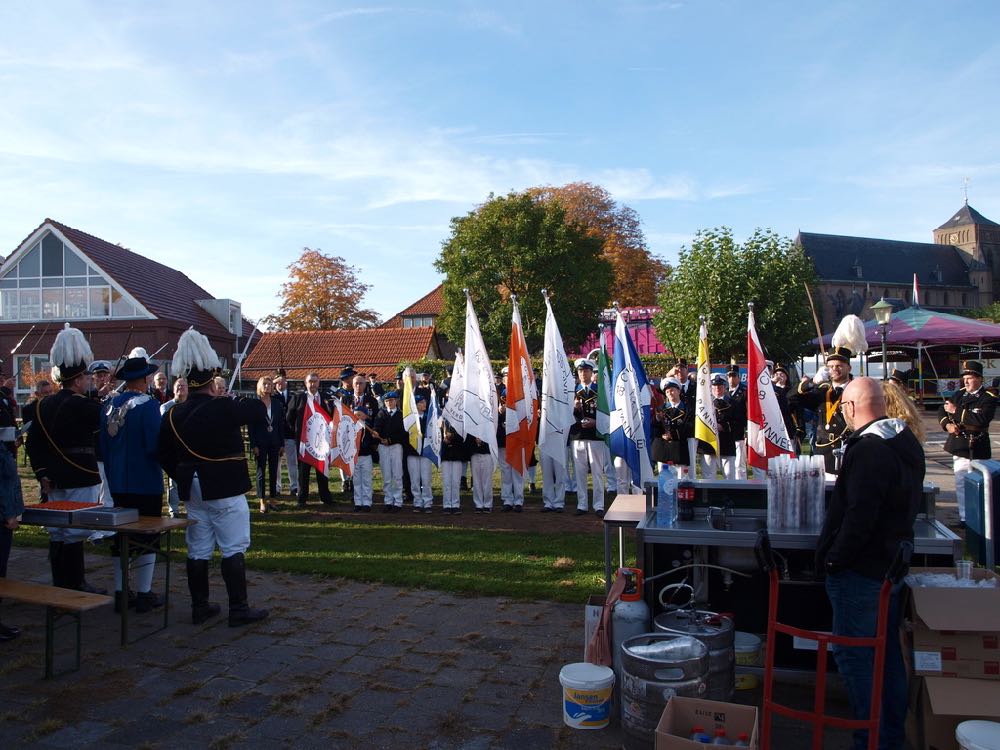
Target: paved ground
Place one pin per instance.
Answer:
(338, 665)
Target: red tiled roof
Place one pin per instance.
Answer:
(378, 350)
(430, 304)
(165, 292)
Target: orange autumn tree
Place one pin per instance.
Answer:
(322, 293)
(637, 272)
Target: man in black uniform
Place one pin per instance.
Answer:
(61, 447)
(296, 414)
(672, 426)
(589, 450)
(201, 448)
(966, 418)
(728, 417)
(737, 398)
(832, 431)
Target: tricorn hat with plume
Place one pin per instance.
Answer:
(195, 359)
(848, 340)
(70, 355)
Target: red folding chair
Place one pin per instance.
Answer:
(817, 717)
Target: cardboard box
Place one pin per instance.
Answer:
(956, 631)
(681, 714)
(591, 618)
(945, 702)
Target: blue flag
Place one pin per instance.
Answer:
(630, 420)
(432, 431)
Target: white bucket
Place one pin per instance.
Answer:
(586, 695)
(747, 647)
(978, 735)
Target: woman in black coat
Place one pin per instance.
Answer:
(267, 438)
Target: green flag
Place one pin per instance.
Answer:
(603, 393)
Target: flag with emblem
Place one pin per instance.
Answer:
(521, 414)
(557, 392)
(316, 438)
(480, 407)
(411, 417)
(432, 431)
(706, 426)
(767, 436)
(347, 433)
(454, 409)
(630, 424)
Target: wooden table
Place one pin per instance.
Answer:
(125, 531)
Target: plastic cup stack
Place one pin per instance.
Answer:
(796, 492)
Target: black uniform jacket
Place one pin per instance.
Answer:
(727, 416)
(62, 437)
(875, 500)
(203, 435)
(390, 427)
(585, 407)
(973, 416)
(832, 431)
(453, 447)
(258, 432)
(672, 426)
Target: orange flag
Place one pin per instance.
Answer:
(521, 421)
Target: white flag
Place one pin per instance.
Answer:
(454, 409)
(558, 393)
(481, 408)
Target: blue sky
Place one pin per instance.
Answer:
(222, 138)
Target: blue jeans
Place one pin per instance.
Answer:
(854, 599)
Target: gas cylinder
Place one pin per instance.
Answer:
(629, 618)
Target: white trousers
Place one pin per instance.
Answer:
(390, 460)
(709, 466)
(962, 467)
(692, 456)
(363, 481)
(221, 523)
(741, 459)
(553, 483)
(482, 480)
(511, 483)
(451, 482)
(623, 478)
(420, 481)
(292, 464)
(592, 454)
(104, 494)
(570, 480)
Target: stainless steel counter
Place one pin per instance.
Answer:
(929, 536)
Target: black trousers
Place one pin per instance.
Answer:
(321, 482)
(268, 457)
(6, 540)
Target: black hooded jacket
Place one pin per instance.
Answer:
(875, 500)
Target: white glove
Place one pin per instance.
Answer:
(822, 375)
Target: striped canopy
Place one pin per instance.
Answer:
(917, 325)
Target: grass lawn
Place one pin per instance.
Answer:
(535, 564)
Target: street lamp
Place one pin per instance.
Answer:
(883, 311)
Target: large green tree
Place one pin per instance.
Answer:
(520, 244)
(717, 276)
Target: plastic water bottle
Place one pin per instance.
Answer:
(666, 497)
(698, 735)
(742, 741)
(720, 738)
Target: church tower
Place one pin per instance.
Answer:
(978, 239)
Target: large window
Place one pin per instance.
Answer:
(53, 282)
(418, 322)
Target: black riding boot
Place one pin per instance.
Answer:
(234, 573)
(201, 608)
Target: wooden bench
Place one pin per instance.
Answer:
(57, 602)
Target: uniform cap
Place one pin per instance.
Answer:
(583, 362)
(718, 379)
(670, 383)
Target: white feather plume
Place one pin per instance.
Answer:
(194, 352)
(851, 334)
(70, 348)
(138, 352)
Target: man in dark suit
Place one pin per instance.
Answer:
(290, 446)
(295, 414)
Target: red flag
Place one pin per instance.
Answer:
(347, 434)
(314, 440)
(521, 420)
(766, 433)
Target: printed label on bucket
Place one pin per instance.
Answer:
(587, 709)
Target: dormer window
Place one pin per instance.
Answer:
(856, 269)
(936, 273)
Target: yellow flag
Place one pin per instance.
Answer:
(411, 417)
(706, 427)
